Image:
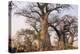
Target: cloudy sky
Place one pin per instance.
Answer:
(18, 22)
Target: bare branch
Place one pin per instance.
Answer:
(57, 8)
(57, 31)
(54, 9)
(35, 28)
(36, 12)
(44, 5)
(39, 5)
(23, 14)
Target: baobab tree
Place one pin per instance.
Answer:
(40, 12)
(71, 26)
(67, 26)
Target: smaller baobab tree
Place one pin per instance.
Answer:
(71, 26)
(64, 26)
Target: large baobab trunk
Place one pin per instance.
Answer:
(44, 32)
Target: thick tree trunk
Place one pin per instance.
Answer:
(61, 42)
(72, 39)
(66, 43)
(44, 37)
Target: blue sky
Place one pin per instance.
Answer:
(72, 11)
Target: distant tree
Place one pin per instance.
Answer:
(24, 39)
(67, 25)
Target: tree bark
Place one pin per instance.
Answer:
(72, 39)
(61, 42)
(44, 37)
